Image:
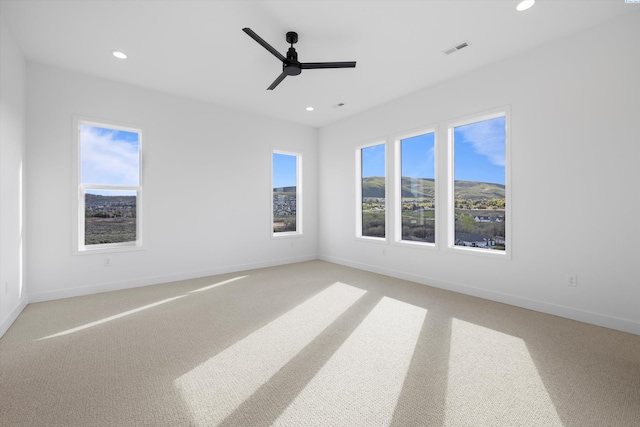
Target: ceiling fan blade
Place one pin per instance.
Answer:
(312, 65)
(264, 44)
(277, 81)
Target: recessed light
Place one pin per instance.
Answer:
(524, 5)
(119, 55)
(309, 108)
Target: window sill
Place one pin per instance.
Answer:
(108, 249)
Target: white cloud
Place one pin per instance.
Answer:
(107, 159)
(487, 138)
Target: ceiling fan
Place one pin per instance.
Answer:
(290, 64)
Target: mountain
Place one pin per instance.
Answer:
(373, 186)
(478, 190)
(92, 200)
(418, 188)
(285, 189)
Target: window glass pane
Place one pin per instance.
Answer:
(109, 156)
(110, 216)
(285, 192)
(109, 179)
(418, 188)
(373, 191)
(479, 184)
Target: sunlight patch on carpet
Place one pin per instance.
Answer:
(493, 381)
(216, 387)
(215, 285)
(361, 383)
(137, 310)
(110, 318)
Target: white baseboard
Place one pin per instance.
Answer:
(154, 280)
(598, 319)
(8, 321)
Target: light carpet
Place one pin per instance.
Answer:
(310, 344)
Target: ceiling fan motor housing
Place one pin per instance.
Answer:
(291, 66)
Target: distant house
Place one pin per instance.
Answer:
(482, 218)
(475, 240)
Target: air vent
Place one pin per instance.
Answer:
(456, 48)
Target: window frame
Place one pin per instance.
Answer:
(299, 195)
(450, 186)
(78, 199)
(358, 182)
(397, 200)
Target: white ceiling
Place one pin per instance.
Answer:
(196, 49)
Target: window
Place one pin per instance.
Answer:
(416, 195)
(480, 197)
(109, 187)
(285, 180)
(372, 189)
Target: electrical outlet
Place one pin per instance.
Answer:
(107, 262)
(572, 280)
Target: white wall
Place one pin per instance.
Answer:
(575, 179)
(206, 181)
(13, 297)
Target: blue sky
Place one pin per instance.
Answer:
(480, 151)
(112, 156)
(479, 154)
(284, 170)
(418, 156)
(373, 161)
(109, 156)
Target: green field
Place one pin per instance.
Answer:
(373, 223)
(109, 230)
(284, 223)
(418, 225)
